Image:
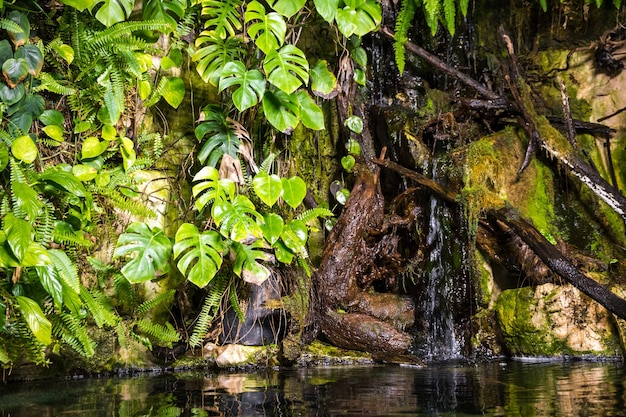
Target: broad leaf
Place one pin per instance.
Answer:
(36, 255)
(311, 115)
(10, 96)
(80, 5)
(19, 235)
(170, 11)
(65, 180)
(84, 172)
(287, 8)
(246, 263)
(223, 138)
(287, 68)
(281, 110)
(294, 191)
(36, 320)
(272, 227)
(199, 254)
(93, 147)
(323, 81)
(358, 17)
(251, 84)
(267, 187)
(209, 187)
(52, 117)
(127, 149)
(295, 235)
(55, 132)
(14, 70)
(19, 38)
(223, 17)
(24, 149)
(149, 250)
(6, 51)
(268, 30)
(33, 57)
(66, 52)
(113, 11)
(174, 91)
(26, 199)
(50, 282)
(327, 9)
(214, 54)
(238, 220)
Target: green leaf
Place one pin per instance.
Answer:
(55, 132)
(10, 96)
(347, 162)
(214, 54)
(287, 8)
(33, 57)
(4, 156)
(199, 254)
(327, 9)
(93, 147)
(36, 255)
(359, 56)
(66, 269)
(267, 187)
(6, 51)
(84, 172)
(294, 191)
(295, 236)
(66, 181)
(19, 235)
(19, 38)
(52, 117)
(358, 17)
(323, 81)
(268, 30)
(272, 227)
(223, 17)
(174, 91)
(51, 283)
(246, 263)
(223, 139)
(127, 149)
(355, 124)
(149, 250)
(287, 68)
(26, 199)
(14, 70)
(353, 147)
(281, 110)
(36, 320)
(24, 149)
(283, 253)
(113, 11)
(251, 84)
(80, 5)
(311, 115)
(237, 220)
(210, 187)
(66, 52)
(170, 11)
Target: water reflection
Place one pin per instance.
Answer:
(493, 389)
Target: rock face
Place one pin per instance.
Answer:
(555, 320)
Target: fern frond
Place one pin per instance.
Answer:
(113, 34)
(266, 165)
(314, 213)
(163, 334)
(449, 14)
(99, 308)
(233, 300)
(148, 305)
(74, 332)
(48, 83)
(209, 307)
(122, 335)
(464, 4)
(123, 203)
(9, 25)
(432, 9)
(44, 224)
(403, 24)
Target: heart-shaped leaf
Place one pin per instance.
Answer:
(281, 110)
(272, 227)
(33, 57)
(66, 52)
(10, 96)
(93, 147)
(323, 81)
(294, 191)
(311, 115)
(174, 92)
(14, 70)
(55, 132)
(267, 187)
(24, 149)
(347, 162)
(84, 172)
(21, 37)
(295, 236)
(52, 117)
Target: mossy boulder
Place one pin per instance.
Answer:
(553, 320)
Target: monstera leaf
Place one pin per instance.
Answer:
(246, 262)
(223, 139)
(210, 188)
(170, 11)
(251, 84)
(224, 17)
(199, 254)
(268, 30)
(287, 68)
(238, 220)
(149, 250)
(214, 54)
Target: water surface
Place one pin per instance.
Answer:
(491, 389)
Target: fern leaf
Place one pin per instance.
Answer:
(464, 5)
(315, 213)
(210, 306)
(165, 334)
(449, 13)
(102, 313)
(403, 24)
(432, 10)
(48, 83)
(233, 300)
(155, 302)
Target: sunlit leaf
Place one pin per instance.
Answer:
(149, 251)
(311, 115)
(199, 254)
(287, 68)
(36, 320)
(272, 227)
(24, 149)
(323, 81)
(267, 187)
(27, 199)
(294, 191)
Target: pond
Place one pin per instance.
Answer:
(512, 388)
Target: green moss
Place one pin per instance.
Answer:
(539, 202)
(522, 334)
(483, 279)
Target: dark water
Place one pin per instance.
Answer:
(493, 389)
